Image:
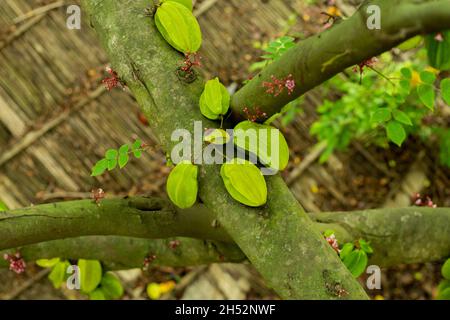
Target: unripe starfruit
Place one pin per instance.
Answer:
(178, 26)
(267, 142)
(244, 182)
(215, 100)
(182, 185)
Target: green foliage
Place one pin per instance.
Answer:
(3, 206)
(47, 263)
(120, 157)
(244, 182)
(182, 185)
(90, 274)
(355, 258)
(363, 110)
(215, 100)
(445, 90)
(439, 51)
(274, 50)
(444, 153)
(111, 286)
(274, 156)
(178, 26)
(446, 270)
(58, 274)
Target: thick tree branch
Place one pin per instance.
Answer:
(120, 253)
(347, 43)
(405, 235)
(139, 217)
(279, 239)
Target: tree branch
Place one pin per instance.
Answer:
(139, 217)
(120, 253)
(404, 235)
(279, 238)
(347, 43)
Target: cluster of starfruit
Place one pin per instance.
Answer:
(243, 180)
(178, 26)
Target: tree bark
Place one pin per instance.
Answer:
(347, 43)
(398, 235)
(279, 238)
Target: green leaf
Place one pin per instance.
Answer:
(445, 90)
(405, 86)
(426, 95)
(47, 263)
(186, 3)
(97, 294)
(346, 249)
(215, 100)
(99, 168)
(178, 26)
(124, 149)
(381, 115)
(444, 294)
(123, 160)
(427, 77)
(111, 286)
(444, 284)
(3, 206)
(90, 274)
(446, 270)
(395, 132)
(356, 262)
(111, 154)
(182, 185)
(328, 233)
(438, 51)
(136, 145)
(266, 142)
(406, 72)
(402, 117)
(410, 43)
(365, 246)
(244, 182)
(58, 274)
(112, 164)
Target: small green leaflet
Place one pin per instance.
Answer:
(426, 95)
(356, 262)
(402, 117)
(381, 115)
(47, 263)
(365, 246)
(115, 157)
(395, 132)
(427, 77)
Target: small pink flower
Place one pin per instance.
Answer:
(439, 37)
(16, 263)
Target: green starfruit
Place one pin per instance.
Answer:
(182, 185)
(244, 182)
(90, 274)
(178, 26)
(215, 100)
(186, 3)
(265, 141)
